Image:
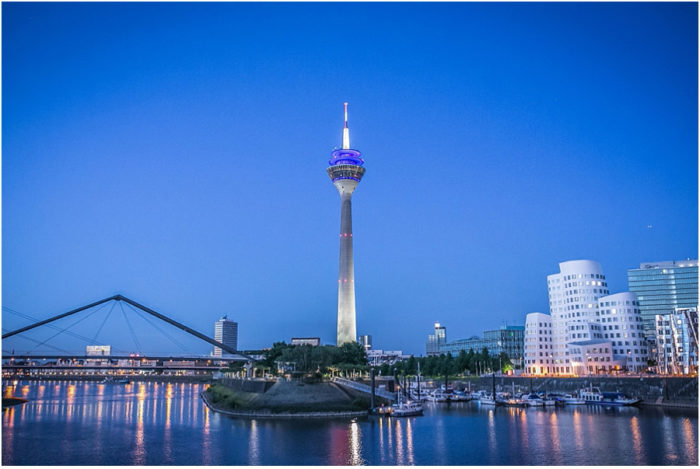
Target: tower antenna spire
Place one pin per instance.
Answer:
(346, 131)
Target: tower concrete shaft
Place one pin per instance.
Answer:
(346, 272)
(345, 170)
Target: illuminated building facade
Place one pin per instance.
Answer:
(436, 340)
(226, 332)
(346, 170)
(619, 320)
(365, 341)
(677, 336)
(661, 287)
(539, 346)
(506, 339)
(573, 298)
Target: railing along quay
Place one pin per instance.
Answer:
(364, 388)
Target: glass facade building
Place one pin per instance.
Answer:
(508, 339)
(661, 287)
(436, 340)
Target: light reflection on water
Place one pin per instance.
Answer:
(166, 423)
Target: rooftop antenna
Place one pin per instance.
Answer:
(346, 131)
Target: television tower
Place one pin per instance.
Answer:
(345, 169)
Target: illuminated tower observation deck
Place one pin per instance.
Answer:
(345, 169)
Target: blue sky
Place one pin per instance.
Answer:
(176, 153)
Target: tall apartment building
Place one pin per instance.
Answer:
(436, 340)
(661, 287)
(573, 297)
(226, 332)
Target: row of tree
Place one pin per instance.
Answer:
(309, 359)
(351, 355)
(471, 363)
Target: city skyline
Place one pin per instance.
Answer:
(147, 151)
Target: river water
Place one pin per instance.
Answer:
(155, 423)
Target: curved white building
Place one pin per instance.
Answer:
(621, 322)
(539, 346)
(573, 298)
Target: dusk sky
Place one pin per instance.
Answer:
(177, 154)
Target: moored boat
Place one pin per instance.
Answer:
(596, 397)
(569, 399)
(533, 400)
(406, 409)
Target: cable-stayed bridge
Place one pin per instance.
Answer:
(60, 361)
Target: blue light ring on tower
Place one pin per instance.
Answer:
(346, 156)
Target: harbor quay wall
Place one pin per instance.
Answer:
(652, 390)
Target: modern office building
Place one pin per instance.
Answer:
(98, 350)
(346, 170)
(661, 287)
(226, 332)
(474, 342)
(539, 346)
(573, 297)
(385, 357)
(508, 339)
(365, 341)
(435, 340)
(677, 337)
(313, 341)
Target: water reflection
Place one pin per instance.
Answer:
(254, 444)
(355, 456)
(492, 432)
(161, 423)
(554, 433)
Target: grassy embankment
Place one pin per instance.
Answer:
(287, 397)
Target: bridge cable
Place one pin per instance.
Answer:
(52, 326)
(133, 334)
(94, 339)
(63, 330)
(12, 352)
(184, 349)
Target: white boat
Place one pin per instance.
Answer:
(487, 400)
(568, 399)
(406, 409)
(595, 396)
(461, 396)
(438, 396)
(533, 400)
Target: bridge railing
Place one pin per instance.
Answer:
(364, 388)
